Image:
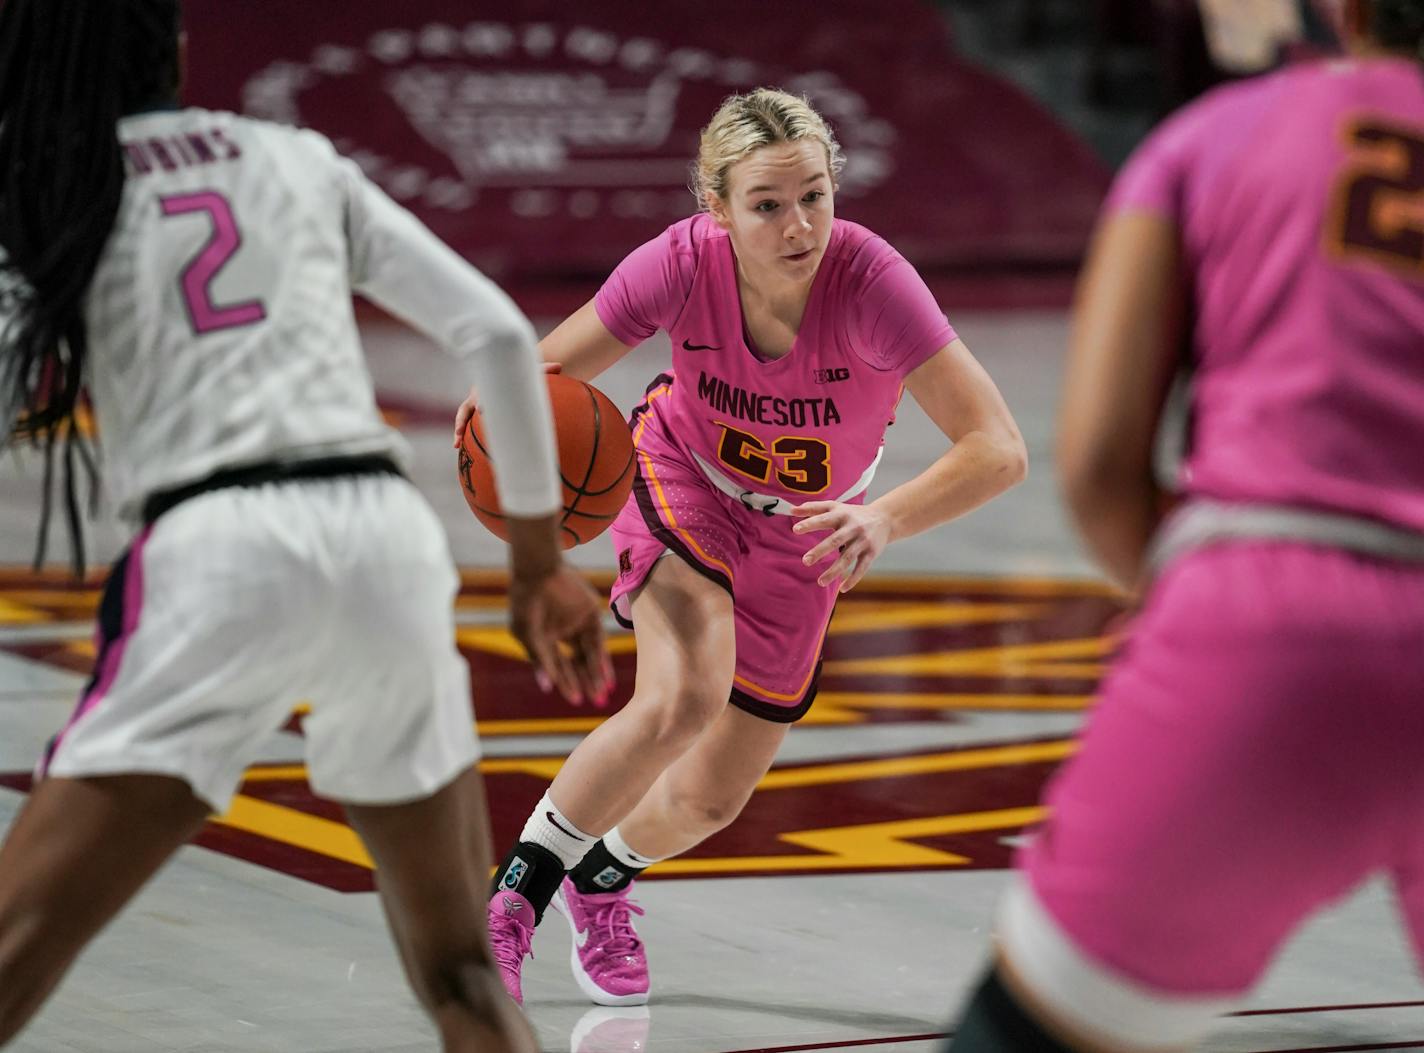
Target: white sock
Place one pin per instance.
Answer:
(619, 850)
(551, 829)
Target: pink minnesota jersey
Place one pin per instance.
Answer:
(809, 425)
(1298, 197)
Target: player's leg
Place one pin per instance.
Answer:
(686, 654)
(781, 617)
(1231, 781)
(706, 788)
(780, 621)
(77, 852)
(431, 858)
(699, 793)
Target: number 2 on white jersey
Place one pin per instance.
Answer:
(197, 278)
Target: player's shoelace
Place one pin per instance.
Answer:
(511, 943)
(612, 922)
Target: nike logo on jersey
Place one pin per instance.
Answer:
(688, 346)
(562, 828)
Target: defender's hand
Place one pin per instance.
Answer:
(559, 619)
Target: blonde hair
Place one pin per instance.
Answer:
(744, 123)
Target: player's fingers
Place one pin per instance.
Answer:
(554, 665)
(826, 546)
(857, 572)
(553, 367)
(839, 569)
(462, 418)
(565, 678)
(824, 521)
(592, 663)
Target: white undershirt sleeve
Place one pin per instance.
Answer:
(401, 266)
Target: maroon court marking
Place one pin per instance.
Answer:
(1326, 1008)
(1283, 1011)
(930, 1038)
(842, 1045)
(1348, 1049)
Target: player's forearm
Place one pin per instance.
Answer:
(518, 423)
(581, 362)
(977, 469)
(534, 546)
(1116, 517)
(582, 344)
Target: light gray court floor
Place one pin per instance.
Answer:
(866, 952)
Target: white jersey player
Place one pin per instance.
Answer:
(193, 271)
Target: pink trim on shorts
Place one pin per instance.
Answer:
(111, 652)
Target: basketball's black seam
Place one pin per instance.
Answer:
(485, 511)
(579, 493)
(595, 515)
(470, 427)
(622, 474)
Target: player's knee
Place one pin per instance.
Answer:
(678, 720)
(707, 812)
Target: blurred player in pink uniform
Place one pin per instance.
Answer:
(794, 336)
(1256, 753)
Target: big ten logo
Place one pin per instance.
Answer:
(569, 120)
(832, 376)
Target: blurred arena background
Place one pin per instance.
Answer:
(849, 906)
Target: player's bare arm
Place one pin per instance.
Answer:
(986, 458)
(1127, 338)
(580, 346)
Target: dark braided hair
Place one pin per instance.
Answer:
(1399, 25)
(69, 69)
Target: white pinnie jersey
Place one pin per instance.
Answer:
(221, 327)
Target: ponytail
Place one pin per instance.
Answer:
(69, 69)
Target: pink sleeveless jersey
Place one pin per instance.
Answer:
(808, 425)
(1300, 197)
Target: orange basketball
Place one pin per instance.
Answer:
(595, 461)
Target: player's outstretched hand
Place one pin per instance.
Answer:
(858, 534)
(471, 404)
(559, 620)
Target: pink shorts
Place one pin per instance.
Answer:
(1258, 750)
(781, 613)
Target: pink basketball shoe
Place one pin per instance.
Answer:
(511, 929)
(608, 960)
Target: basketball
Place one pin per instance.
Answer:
(595, 461)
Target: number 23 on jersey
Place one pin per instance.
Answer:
(800, 463)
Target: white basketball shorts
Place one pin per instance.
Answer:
(239, 603)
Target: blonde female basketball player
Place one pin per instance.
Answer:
(794, 336)
(194, 270)
(1256, 750)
